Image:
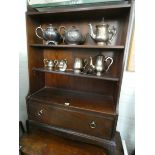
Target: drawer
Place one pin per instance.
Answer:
(69, 118)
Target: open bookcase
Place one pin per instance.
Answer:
(81, 107)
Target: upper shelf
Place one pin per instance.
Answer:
(82, 9)
(82, 12)
(110, 47)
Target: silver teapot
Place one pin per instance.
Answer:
(102, 64)
(104, 34)
(62, 65)
(72, 35)
(50, 34)
(50, 64)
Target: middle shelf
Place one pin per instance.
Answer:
(108, 47)
(70, 72)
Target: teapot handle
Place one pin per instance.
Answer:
(45, 62)
(36, 31)
(113, 32)
(56, 62)
(60, 31)
(111, 62)
(65, 60)
(85, 63)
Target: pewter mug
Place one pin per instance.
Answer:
(103, 32)
(79, 65)
(102, 64)
(72, 35)
(50, 34)
(50, 64)
(62, 65)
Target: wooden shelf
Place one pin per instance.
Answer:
(71, 73)
(110, 47)
(72, 13)
(80, 100)
(80, 9)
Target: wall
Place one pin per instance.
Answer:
(23, 66)
(126, 124)
(126, 120)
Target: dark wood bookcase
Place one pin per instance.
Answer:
(92, 113)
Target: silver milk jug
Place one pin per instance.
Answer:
(102, 64)
(50, 64)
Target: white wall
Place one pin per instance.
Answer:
(126, 120)
(23, 66)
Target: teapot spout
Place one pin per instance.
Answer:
(91, 32)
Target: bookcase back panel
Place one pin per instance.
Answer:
(79, 84)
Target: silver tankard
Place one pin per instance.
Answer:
(79, 65)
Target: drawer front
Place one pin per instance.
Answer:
(87, 123)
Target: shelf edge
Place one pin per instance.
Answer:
(78, 75)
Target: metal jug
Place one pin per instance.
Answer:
(103, 32)
(79, 65)
(50, 64)
(62, 65)
(102, 64)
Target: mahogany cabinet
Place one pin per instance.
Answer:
(91, 112)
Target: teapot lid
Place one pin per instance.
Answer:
(50, 26)
(73, 27)
(102, 23)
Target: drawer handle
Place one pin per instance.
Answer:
(40, 112)
(67, 103)
(92, 124)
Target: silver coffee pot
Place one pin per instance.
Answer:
(102, 64)
(104, 34)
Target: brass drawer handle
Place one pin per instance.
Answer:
(92, 124)
(67, 103)
(40, 112)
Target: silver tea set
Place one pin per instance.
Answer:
(102, 35)
(81, 66)
(60, 65)
(52, 36)
(102, 64)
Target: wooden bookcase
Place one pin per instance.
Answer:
(92, 114)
